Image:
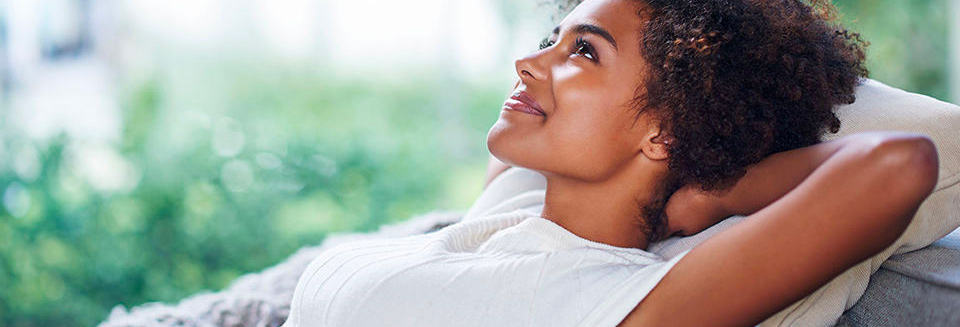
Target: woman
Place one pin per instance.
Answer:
(649, 119)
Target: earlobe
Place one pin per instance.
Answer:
(656, 144)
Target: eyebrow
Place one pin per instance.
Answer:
(592, 29)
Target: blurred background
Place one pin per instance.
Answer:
(151, 149)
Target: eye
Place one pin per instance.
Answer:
(585, 49)
(546, 43)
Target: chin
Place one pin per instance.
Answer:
(497, 143)
(519, 146)
(507, 145)
(517, 149)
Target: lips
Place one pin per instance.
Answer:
(522, 101)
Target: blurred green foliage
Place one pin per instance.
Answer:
(238, 167)
(908, 42)
(235, 164)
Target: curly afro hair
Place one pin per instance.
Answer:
(734, 81)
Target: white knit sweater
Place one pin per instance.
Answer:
(503, 265)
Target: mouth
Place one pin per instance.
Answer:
(521, 101)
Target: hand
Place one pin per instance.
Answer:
(690, 211)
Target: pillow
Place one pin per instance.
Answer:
(878, 107)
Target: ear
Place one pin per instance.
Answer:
(655, 143)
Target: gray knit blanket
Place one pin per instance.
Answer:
(261, 299)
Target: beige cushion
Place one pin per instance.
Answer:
(880, 107)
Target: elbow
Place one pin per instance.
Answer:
(910, 162)
(909, 167)
(929, 164)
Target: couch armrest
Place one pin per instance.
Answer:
(919, 288)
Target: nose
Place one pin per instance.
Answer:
(531, 67)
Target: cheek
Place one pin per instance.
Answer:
(585, 137)
(592, 118)
(593, 128)
(589, 143)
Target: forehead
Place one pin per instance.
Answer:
(619, 17)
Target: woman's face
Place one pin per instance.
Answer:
(571, 113)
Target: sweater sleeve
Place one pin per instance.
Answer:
(620, 303)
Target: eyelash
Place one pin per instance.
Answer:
(546, 43)
(580, 46)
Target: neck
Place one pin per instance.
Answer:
(606, 211)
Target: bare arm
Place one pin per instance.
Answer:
(691, 210)
(813, 213)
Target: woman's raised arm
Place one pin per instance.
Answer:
(833, 205)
